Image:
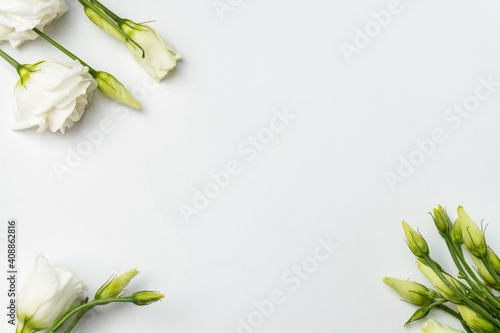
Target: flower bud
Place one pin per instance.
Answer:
(98, 20)
(473, 235)
(442, 221)
(485, 275)
(495, 261)
(416, 242)
(440, 285)
(476, 321)
(112, 88)
(411, 292)
(421, 313)
(432, 326)
(146, 297)
(456, 233)
(116, 285)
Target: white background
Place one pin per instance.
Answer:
(322, 176)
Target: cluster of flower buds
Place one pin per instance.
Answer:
(469, 297)
(47, 299)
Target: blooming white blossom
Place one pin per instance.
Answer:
(432, 326)
(48, 291)
(159, 56)
(53, 95)
(19, 17)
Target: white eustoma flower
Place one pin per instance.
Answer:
(159, 56)
(432, 326)
(51, 94)
(48, 291)
(19, 17)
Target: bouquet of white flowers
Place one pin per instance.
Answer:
(53, 94)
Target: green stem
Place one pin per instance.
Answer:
(64, 50)
(73, 310)
(487, 262)
(473, 284)
(105, 17)
(449, 311)
(10, 60)
(77, 319)
(484, 290)
(115, 17)
(476, 307)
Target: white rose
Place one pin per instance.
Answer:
(48, 291)
(52, 95)
(159, 56)
(19, 17)
(432, 326)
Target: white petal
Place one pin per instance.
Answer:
(19, 17)
(40, 288)
(53, 93)
(46, 294)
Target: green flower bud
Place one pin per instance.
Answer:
(442, 221)
(495, 261)
(473, 235)
(476, 321)
(146, 297)
(416, 242)
(112, 88)
(411, 292)
(456, 233)
(115, 286)
(422, 312)
(103, 24)
(440, 285)
(488, 279)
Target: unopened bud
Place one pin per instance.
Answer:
(494, 260)
(146, 297)
(488, 279)
(442, 287)
(473, 235)
(442, 221)
(113, 89)
(416, 242)
(475, 321)
(411, 292)
(456, 233)
(115, 286)
(104, 24)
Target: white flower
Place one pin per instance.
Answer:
(19, 17)
(159, 57)
(48, 291)
(432, 326)
(52, 95)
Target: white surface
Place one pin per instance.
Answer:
(323, 175)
